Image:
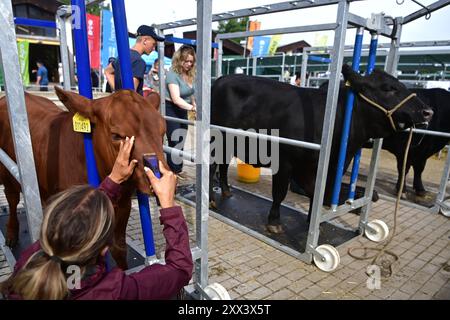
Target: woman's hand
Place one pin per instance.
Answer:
(164, 188)
(123, 168)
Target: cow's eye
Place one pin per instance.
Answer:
(116, 137)
(388, 88)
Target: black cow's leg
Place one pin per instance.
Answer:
(212, 172)
(280, 183)
(223, 171)
(419, 166)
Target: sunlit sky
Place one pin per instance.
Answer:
(157, 12)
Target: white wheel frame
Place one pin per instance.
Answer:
(331, 256)
(444, 208)
(381, 231)
(217, 292)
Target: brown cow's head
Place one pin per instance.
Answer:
(115, 117)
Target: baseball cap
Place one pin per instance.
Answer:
(145, 30)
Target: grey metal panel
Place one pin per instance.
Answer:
(219, 58)
(161, 73)
(61, 16)
(394, 56)
(203, 99)
(422, 12)
(248, 12)
(328, 126)
(358, 21)
(310, 28)
(19, 120)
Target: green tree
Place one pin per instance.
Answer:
(93, 9)
(233, 25)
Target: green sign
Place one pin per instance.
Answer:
(23, 50)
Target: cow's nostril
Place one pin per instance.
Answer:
(427, 114)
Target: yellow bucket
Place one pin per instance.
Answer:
(247, 173)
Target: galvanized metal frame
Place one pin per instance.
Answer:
(19, 121)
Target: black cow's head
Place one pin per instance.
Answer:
(382, 91)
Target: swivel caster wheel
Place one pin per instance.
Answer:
(330, 260)
(378, 231)
(217, 292)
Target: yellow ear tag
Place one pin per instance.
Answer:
(81, 124)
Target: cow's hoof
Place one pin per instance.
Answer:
(212, 204)
(11, 242)
(421, 193)
(404, 196)
(275, 228)
(226, 194)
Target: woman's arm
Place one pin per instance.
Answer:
(174, 91)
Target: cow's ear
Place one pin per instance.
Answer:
(154, 100)
(76, 103)
(353, 78)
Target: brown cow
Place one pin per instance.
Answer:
(59, 151)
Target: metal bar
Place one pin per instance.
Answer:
(9, 164)
(393, 56)
(254, 65)
(422, 12)
(84, 82)
(319, 59)
(328, 126)
(219, 58)
(304, 67)
(292, 142)
(120, 25)
(357, 21)
(443, 184)
(35, 23)
(357, 158)
(190, 42)
(61, 15)
(179, 153)
(161, 74)
(347, 122)
(310, 28)
(266, 9)
(265, 137)
(203, 99)
(343, 209)
(430, 132)
(18, 120)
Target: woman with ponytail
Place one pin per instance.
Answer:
(68, 261)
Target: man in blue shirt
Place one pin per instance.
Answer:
(145, 44)
(42, 76)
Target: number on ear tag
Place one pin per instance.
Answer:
(81, 124)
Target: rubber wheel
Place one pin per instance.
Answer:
(331, 255)
(381, 231)
(217, 292)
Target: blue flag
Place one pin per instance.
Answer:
(109, 46)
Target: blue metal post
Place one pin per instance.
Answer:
(347, 121)
(35, 23)
(84, 81)
(357, 158)
(120, 23)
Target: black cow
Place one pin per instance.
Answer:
(246, 102)
(422, 146)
